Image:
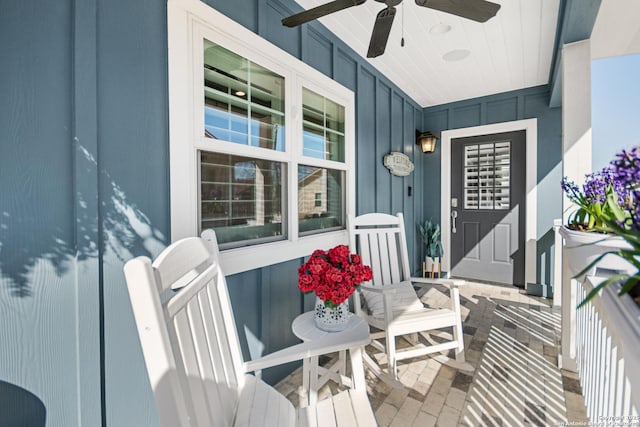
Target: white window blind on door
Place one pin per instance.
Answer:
(487, 175)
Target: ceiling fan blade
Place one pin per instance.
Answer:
(476, 10)
(319, 12)
(381, 30)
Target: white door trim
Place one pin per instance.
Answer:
(530, 126)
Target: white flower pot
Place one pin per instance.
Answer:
(582, 248)
(332, 319)
(431, 265)
(429, 261)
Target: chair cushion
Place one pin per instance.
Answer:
(403, 300)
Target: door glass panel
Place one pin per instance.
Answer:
(503, 152)
(471, 177)
(485, 154)
(487, 175)
(471, 155)
(243, 101)
(486, 198)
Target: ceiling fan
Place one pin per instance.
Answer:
(476, 10)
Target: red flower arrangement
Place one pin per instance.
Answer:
(333, 275)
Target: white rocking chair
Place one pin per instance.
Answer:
(193, 356)
(391, 304)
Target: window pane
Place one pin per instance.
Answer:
(320, 199)
(314, 144)
(471, 198)
(471, 178)
(241, 198)
(487, 176)
(334, 118)
(244, 102)
(503, 152)
(485, 154)
(471, 155)
(322, 127)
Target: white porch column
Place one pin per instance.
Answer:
(576, 114)
(557, 259)
(576, 154)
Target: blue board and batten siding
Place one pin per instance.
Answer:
(505, 107)
(49, 272)
(84, 169)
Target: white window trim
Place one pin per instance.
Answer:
(187, 19)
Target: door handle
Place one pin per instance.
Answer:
(454, 215)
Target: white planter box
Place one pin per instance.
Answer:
(582, 248)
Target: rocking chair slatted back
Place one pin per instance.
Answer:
(381, 241)
(208, 366)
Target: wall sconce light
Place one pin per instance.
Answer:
(427, 141)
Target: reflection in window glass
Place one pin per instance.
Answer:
(244, 102)
(241, 198)
(320, 199)
(322, 127)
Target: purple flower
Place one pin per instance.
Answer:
(568, 186)
(597, 185)
(572, 190)
(618, 183)
(626, 167)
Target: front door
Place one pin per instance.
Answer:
(488, 207)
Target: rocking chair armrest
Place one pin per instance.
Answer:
(450, 283)
(329, 343)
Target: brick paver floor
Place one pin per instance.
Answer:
(511, 340)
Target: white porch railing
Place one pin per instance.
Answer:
(601, 341)
(608, 345)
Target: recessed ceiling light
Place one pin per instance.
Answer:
(240, 93)
(440, 28)
(456, 55)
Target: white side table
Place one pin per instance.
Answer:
(353, 338)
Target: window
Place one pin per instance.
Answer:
(241, 198)
(487, 176)
(261, 145)
(320, 199)
(244, 102)
(323, 127)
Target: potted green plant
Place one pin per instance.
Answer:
(609, 209)
(431, 237)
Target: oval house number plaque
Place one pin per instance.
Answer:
(399, 164)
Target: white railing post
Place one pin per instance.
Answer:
(568, 289)
(557, 264)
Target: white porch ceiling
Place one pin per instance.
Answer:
(616, 30)
(511, 51)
